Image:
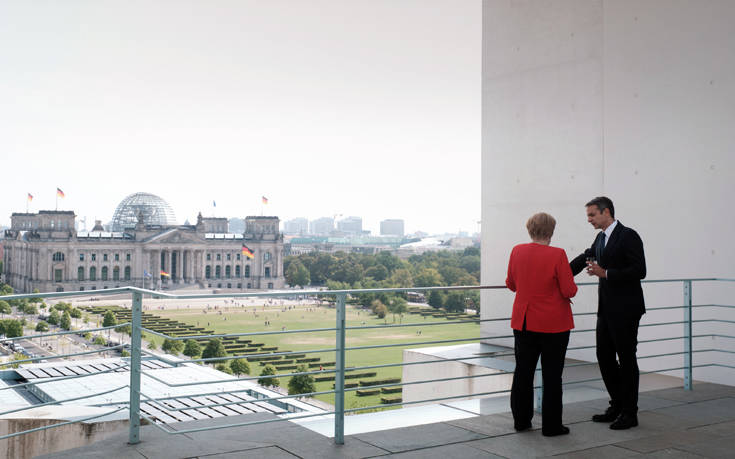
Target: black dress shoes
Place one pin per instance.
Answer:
(520, 427)
(609, 415)
(625, 421)
(560, 430)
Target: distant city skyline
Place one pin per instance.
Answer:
(371, 110)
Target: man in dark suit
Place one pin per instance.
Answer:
(616, 258)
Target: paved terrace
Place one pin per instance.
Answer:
(674, 423)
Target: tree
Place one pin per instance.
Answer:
(126, 329)
(214, 349)
(401, 278)
(377, 272)
(54, 317)
(99, 340)
(398, 305)
(455, 302)
(192, 349)
(5, 308)
(42, 326)
(172, 346)
(63, 306)
(301, 384)
(75, 313)
(436, 299)
(240, 367)
(223, 367)
(297, 274)
(109, 319)
(152, 345)
(36, 299)
(65, 322)
(30, 308)
(267, 382)
(11, 328)
(427, 277)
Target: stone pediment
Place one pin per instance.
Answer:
(176, 236)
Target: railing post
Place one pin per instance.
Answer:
(339, 377)
(687, 335)
(538, 392)
(137, 310)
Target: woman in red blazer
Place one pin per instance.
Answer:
(542, 317)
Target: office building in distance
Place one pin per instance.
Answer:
(391, 227)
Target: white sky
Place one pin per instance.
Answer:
(367, 108)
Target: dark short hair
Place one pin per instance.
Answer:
(602, 203)
(541, 226)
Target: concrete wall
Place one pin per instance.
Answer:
(52, 440)
(633, 100)
(449, 369)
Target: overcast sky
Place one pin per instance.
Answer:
(367, 108)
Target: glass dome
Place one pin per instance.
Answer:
(155, 211)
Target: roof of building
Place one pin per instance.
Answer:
(159, 380)
(154, 210)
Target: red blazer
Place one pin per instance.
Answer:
(543, 281)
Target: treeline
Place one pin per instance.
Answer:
(383, 270)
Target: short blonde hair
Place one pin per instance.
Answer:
(541, 226)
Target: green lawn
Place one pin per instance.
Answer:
(252, 319)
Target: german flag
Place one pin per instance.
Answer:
(165, 274)
(265, 200)
(247, 252)
(30, 197)
(59, 193)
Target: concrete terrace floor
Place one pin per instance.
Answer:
(674, 423)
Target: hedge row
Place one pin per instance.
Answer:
(391, 390)
(379, 382)
(386, 400)
(347, 385)
(363, 393)
(285, 362)
(367, 374)
(321, 364)
(286, 367)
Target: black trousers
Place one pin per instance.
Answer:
(552, 348)
(617, 342)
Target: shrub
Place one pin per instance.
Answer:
(267, 371)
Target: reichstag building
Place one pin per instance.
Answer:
(145, 248)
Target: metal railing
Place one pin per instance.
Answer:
(340, 348)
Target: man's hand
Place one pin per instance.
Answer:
(593, 269)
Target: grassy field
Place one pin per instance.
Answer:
(253, 319)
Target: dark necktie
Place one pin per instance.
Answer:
(600, 247)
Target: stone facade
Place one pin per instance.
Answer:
(43, 251)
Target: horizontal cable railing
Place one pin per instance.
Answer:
(340, 350)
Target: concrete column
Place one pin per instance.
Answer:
(169, 259)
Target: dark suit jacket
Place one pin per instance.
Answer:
(620, 294)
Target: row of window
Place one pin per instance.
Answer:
(104, 273)
(228, 256)
(239, 285)
(228, 271)
(59, 256)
